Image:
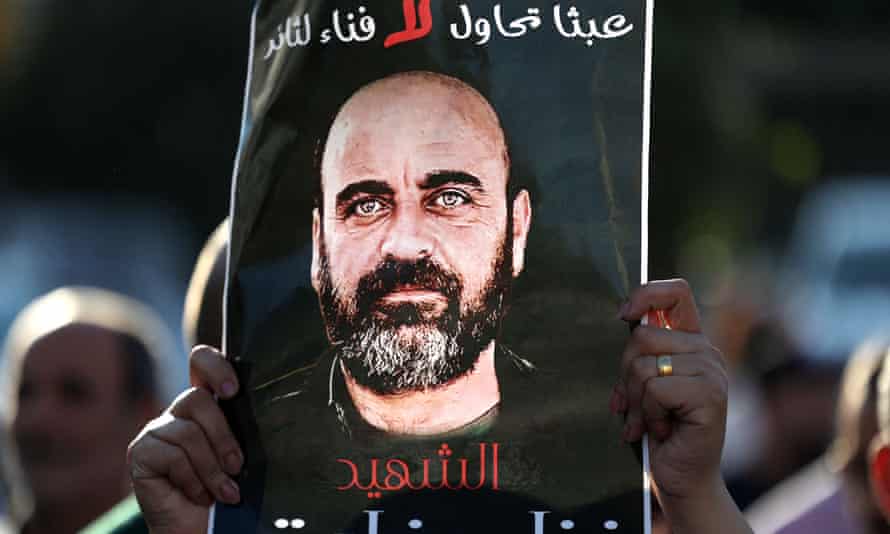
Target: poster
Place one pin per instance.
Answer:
(436, 214)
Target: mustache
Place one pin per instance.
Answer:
(391, 274)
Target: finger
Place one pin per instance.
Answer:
(673, 296)
(653, 341)
(640, 371)
(644, 368)
(656, 417)
(199, 406)
(188, 437)
(209, 369)
(693, 400)
(618, 399)
(154, 460)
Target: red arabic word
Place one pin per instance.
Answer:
(412, 31)
(395, 474)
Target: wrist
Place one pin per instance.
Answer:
(708, 509)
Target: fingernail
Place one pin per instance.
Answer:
(622, 402)
(229, 388)
(230, 492)
(233, 463)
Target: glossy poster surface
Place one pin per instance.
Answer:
(436, 215)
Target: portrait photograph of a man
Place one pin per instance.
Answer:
(416, 242)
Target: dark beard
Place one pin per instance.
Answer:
(407, 346)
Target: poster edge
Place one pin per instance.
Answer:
(644, 224)
(245, 106)
(644, 213)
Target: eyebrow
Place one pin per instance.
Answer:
(439, 178)
(368, 187)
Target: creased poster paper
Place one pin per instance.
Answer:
(436, 215)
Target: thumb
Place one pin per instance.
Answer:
(166, 510)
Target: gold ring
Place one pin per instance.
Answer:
(665, 365)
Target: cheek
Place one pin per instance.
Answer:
(472, 253)
(350, 256)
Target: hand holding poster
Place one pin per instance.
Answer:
(437, 212)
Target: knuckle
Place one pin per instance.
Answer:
(179, 461)
(132, 454)
(216, 478)
(134, 449)
(195, 359)
(228, 445)
(724, 387)
(681, 284)
(222, 439)
(718, 375)
(182, 401)
(195, 490)
(638, 368)
(200, 352)
(717, 393)
(641, 338)
(191, 431)
(717, 356)
(201, 398)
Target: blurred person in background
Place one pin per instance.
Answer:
(832, 495)
(201, 325)
(795, 394)
(879, 449)
(829, 292)
(6, 474)
(82, 379)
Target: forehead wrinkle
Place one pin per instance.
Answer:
(359, 169)
(407, 98)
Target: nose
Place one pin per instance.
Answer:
(37, 412)
(409, 236)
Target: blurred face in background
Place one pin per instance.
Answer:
(73, 419)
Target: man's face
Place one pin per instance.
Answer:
(415, 248)
(72, 420)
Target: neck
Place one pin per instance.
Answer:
(435, 410)
(70, 517)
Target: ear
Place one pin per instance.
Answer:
(879, 474)
(315, 271)
(522, 219)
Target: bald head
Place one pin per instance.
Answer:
(429, 116)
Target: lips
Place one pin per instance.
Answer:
(413, 294)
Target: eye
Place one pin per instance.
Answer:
(75, 391)
(451, 199)
(367, 207)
